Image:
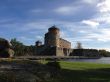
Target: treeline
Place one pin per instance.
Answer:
(104, 53)
(86, 52)
(90, 53)
(22, 50)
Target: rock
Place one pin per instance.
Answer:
(26, 71)
(5, 49)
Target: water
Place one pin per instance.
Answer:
(105, 60)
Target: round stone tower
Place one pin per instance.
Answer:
(38, 43)
(52, 37)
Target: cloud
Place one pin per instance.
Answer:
(104, 12)
(102, 17)
(90, 1)
(104, 6)
(67, 10)
(38, 37)
(90, 23)
(108, 49)
(101, 35)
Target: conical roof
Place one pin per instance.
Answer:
(53, 28)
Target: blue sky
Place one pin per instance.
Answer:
(86, 21)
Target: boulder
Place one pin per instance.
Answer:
(5, 49)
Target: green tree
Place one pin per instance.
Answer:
(21, 49)
(18, 47)
(104, 53)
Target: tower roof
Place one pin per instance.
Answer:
(53, 28)
(38, 41)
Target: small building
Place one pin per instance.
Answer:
(38, 43)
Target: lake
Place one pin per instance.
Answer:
(105, 60)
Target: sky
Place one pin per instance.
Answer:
(84, 21)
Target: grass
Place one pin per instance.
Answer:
(84, 72)
(82, 65)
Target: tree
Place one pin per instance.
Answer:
(21, 49)
(17, 46)
(104, 53)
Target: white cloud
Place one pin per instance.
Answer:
(90, 1)
(108, 49)
(90, 23)
(102, 17)
(104, 6)
(104, 12)
(39, 37)
(67, 10)
(82, 31)
(101, 35)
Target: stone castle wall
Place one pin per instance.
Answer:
(64, 43)
(63, 51)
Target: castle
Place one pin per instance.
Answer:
(56, 46)
(53, 44)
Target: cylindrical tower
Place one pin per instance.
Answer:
(52, 37)
(38, 43)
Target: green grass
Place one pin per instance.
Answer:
(82, 65)
(84, 72)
